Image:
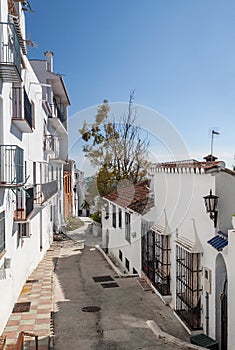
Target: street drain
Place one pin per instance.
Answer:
(109, 285)
(21, 307)
(102, 278)
(91, 309)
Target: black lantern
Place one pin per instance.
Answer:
(211, 206)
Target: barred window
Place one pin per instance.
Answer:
(156, 260)
(188, 287)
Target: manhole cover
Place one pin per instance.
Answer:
(91, 308)
(21, 307)
(102, 278)
(109, 285)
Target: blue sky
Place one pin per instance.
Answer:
(179, 56)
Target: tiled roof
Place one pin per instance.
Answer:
(219, 241)
(135, 197)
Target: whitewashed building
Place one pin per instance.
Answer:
(55, 102)
(79, 191)
(33, 148)
(183, 249)
(188, 255)
(127, 213)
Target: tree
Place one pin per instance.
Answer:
(85, 205)
(117, 148)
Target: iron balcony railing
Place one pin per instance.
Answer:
(11, 165)
(27, 109)
(51, 145)
(24, 203)
(10, 57)
(21, 106)
(57, 111)
(43, 192)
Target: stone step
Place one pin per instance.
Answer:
(143, 284)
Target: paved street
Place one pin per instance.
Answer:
(124, 309)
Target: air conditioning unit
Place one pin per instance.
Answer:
(207, 280)
(24, 230)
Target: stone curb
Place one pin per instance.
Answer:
(114, 267)
(170, 338)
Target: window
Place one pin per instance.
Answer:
(162, 276)
(188, 287)
(23, 230)
(127, 264)
(114, 216)
(106, 211)
(120, 255)
(135, 272)
(2, 231)
(51, 213)
(156, 260)
(120, 218)
(128, 227)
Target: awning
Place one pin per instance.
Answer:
(219, 241)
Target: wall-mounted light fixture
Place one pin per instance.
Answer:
(211, 202)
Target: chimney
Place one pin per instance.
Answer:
(49, 59)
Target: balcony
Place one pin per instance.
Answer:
(10, 57)
(11, 165)
(51, 145)
(57, 118)
(21, 110)
(43, 192)
(24, 204)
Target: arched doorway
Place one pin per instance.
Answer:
(221, 302)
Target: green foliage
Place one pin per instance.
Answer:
(85, 205)
(73, 222)
(96, 217)
(117, 149)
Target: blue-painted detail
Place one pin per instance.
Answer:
(218, 242)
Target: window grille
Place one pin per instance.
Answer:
(188, 287)
(156, 260)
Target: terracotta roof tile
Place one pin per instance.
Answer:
(135, 197)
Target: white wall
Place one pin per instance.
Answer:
(25, 253)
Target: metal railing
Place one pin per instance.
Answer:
(11, 165)
(57, 111)
(10, 46)
(43, 192)
(20, 345)
(24, 203)
(27, 110)
(51, 145)
(21, 106)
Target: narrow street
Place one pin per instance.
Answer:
(118, 315)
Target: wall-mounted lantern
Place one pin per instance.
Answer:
(211, 202)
